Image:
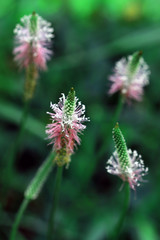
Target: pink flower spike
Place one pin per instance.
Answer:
(132, 174)
(67, 123)
(130, 76)
(124, 163)
(33, 38)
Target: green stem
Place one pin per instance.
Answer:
(55, 203)
(119, 225)
(18, 219)
(115, 118)
(117, 113)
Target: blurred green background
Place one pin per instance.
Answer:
(90, 36)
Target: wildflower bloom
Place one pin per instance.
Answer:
(67, 122)
(130, 76)
(33, 37)
(125, 163)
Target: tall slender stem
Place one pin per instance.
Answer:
(119, 225)
(18, 218)
(55, 203)
(112, 123)
(116, 115)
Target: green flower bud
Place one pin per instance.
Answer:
(33, 23)
(134, 62)
(121, 147)
(70, 103)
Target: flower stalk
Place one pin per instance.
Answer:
(115, 118)
(51, 225)
(67, 123)
(118, 228)
(18, 218)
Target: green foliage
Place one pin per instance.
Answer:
(89, 37)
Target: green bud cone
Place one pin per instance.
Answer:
(70, 103)
(33, 23)
(134, 62)
(121, 147)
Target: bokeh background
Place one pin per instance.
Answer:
(90, 36)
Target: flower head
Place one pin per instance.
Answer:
(33, 37)
(126, 164)
(67, 122)
(130, 76)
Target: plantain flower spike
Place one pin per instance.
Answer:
(32, 51)
(67, 123)
(130, 76)
(125, 163)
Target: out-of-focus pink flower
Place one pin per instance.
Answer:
(67, 122)
(130, 82)
(33, 37)
(133, 173)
